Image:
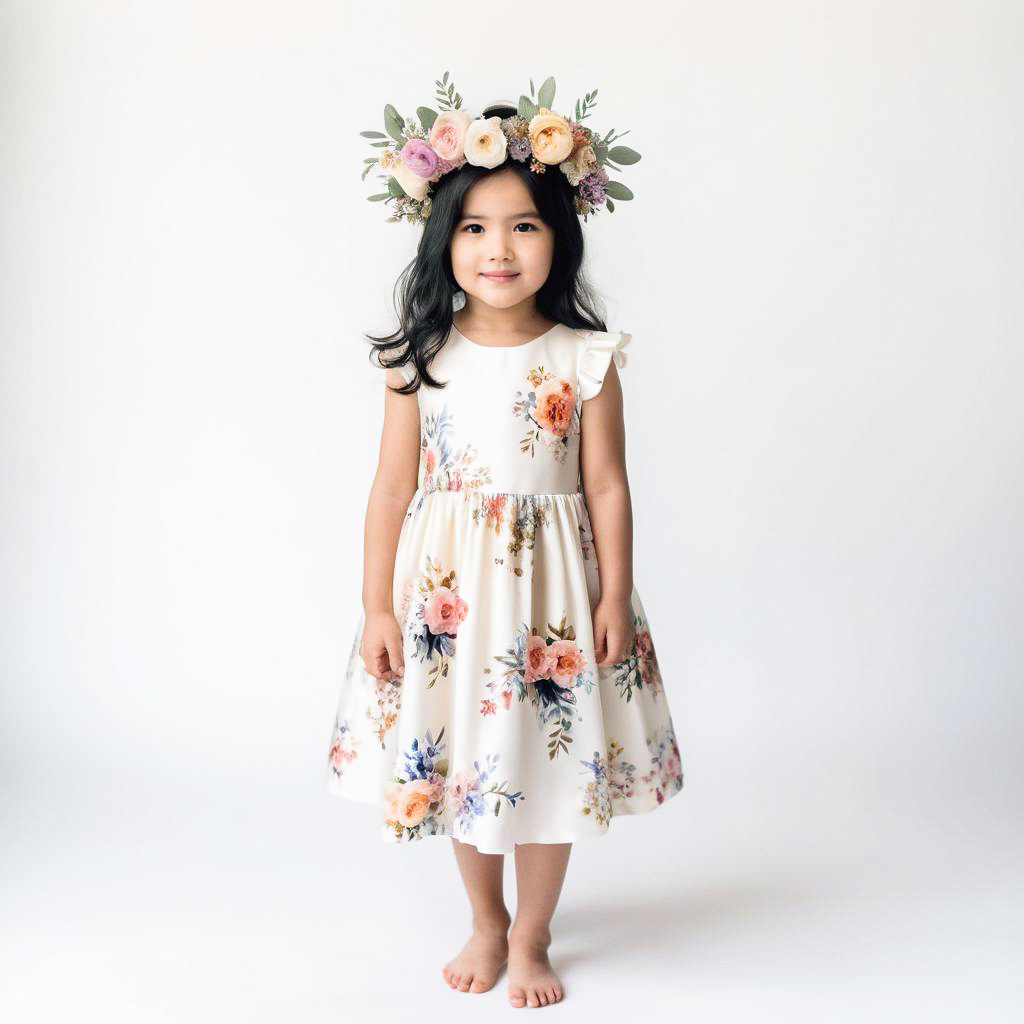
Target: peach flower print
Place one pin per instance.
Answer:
(409, 803)
(443, 611)
(540, 662)
(556, 400)
(569, 661)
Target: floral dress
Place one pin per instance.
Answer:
(504, 729)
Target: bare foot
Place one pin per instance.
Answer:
(531, 980)
(476, 967)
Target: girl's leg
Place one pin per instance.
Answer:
(540, 871)
(476, 967)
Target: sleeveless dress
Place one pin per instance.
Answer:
(504, 729)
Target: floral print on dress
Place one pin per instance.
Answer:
(434, 623)
(344, 748)
(640, 669)
(414, 803)
(613, 778)
(548, 671)
(443, 467)
(388, 698)
(666, 774)
(467, 797)
(551, 410)
(522, 514)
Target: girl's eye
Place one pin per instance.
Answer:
(521, 224)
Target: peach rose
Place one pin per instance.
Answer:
(550, 137)
(409, 803)
(556, 400)
(431, 459)
(569, 661)
(448, 134)
(443, 611)
(485, 143)
(540, 663)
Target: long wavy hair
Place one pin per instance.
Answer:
(426, 287)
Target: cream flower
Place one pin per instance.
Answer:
(448, 133)
(412, 184)
(485, 144)
(550, 137)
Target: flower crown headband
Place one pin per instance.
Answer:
(416, 154)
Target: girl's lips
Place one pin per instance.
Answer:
(500, 277)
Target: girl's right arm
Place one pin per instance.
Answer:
(392, 490)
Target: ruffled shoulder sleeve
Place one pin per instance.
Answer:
(599, 348)
(407, 370)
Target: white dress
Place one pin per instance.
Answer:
(504, 729)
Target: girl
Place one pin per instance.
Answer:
(506, 692)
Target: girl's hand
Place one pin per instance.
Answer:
(613, 629)
(381, 649)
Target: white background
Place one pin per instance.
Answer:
(822, 275)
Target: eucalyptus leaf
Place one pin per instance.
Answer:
(393, 123)
(527, 108)
(373, 135)
(623, 155)
(546, 96)
(427, 117)
(610, 205)
(617, 190)
(377, 198)
(394, 188)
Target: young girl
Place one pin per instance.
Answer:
(501, 690)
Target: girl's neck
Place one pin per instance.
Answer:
(501, 326)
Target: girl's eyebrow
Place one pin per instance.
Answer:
(511, 216)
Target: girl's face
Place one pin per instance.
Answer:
(501, 232)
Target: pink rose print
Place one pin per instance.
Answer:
(444, 611)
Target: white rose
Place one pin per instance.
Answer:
(485, 144)
(414, 186)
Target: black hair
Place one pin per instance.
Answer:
(425, 288)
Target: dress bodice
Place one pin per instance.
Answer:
(508, 419)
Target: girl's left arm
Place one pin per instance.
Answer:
(606, 492)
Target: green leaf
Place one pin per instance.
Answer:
(393, 123)
(623, 155)
(444, 81)
(394, 188)
(527, 108)
(378, 198)
(546, 97)
(373, 135)
(427, 117)
(610, 205)
(617, 190)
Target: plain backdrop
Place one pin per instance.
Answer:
(822, 274)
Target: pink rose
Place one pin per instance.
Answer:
(556, 400)
(569, 661)
(540, 663)
(419, 158)
(448, 134)
(443, 611)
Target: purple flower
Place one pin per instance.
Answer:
(419, 158)
(592, 187)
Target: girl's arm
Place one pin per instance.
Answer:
(393, 487)
(606, 491)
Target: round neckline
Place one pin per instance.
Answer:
(505, 348)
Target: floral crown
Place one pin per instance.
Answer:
(416, 154)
